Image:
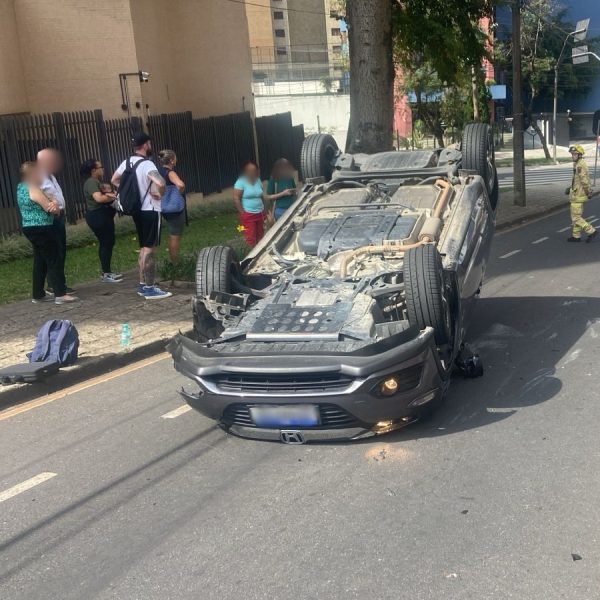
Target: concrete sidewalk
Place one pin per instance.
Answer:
(106, 307)
(540, 201)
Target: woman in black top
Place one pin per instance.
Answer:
(100, 215)
(175, 221)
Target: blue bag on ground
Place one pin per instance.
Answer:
(57, 340)
(172, 201)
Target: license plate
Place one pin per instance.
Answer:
(297, 415)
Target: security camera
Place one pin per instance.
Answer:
(144, 76)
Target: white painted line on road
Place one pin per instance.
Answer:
(177, 412)
(564, 229)
(540, 240)
(25, 485)
(592, 216)
(591, 220)
(509, 254)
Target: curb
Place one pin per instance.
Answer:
(522, 220)
(87, 369)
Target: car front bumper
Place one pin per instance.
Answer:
(346, 392)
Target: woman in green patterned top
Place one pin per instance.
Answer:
(37, 217)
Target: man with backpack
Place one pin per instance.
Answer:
(140, 188)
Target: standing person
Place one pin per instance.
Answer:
(249, 199)
(282, 178)
(51, 163)
(37, 219)
(175, 220)
(579, 192)
(151, 186)
(100, 216)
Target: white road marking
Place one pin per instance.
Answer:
(564, 229)
(592, 216)
(540, 240)
(509, 254)
(592, 220)
(25, 485)
(177, 412)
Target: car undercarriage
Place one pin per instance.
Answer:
(356, 302)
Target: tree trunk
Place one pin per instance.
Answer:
(431, 118)
(542, 137)
(534, 124)
(475, 95)
(372, 81)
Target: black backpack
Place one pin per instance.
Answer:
(130, 197)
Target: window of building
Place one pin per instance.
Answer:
(335, 31)
(337, 49)
(281, 51)
(280, 33)
(278, 15)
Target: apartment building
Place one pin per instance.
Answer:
(69, 55)
(294, 31)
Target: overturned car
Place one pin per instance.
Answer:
(347, 319)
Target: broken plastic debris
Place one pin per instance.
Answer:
(576, 557)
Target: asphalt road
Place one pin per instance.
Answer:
(492, 499)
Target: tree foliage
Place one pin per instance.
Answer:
(544, 28)
(445, 35)
(443, 71)
(430, 38)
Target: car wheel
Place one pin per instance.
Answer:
(426, 302)
(478, 155)
(215, 269)
(316, 157)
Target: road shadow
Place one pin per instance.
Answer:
(523, 342)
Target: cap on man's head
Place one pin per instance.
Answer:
(139, 139)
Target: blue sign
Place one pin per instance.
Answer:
(498, 92)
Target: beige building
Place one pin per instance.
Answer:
(66, 55)
(294, 31)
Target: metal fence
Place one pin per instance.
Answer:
(209, 150)
(278, 138)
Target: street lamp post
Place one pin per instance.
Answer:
(579, 35)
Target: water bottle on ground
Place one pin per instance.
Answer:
(125, 335)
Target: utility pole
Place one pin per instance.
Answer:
(520, 198)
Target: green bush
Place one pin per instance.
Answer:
(15, 247)
(185, 269)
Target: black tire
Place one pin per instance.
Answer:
(317, 155)
(424, 289)
(478, 155)
(214, 269)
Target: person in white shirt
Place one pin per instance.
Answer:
(50, 162)
(151, 185)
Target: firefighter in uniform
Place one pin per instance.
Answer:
(579, 192)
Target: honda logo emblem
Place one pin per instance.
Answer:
(292, 437)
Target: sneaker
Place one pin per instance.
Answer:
(47, 298)
(70, 290)
(111, 278)
(66, 299)
(591, 236)
(574, 240)
(153, 292)
(140, 289)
